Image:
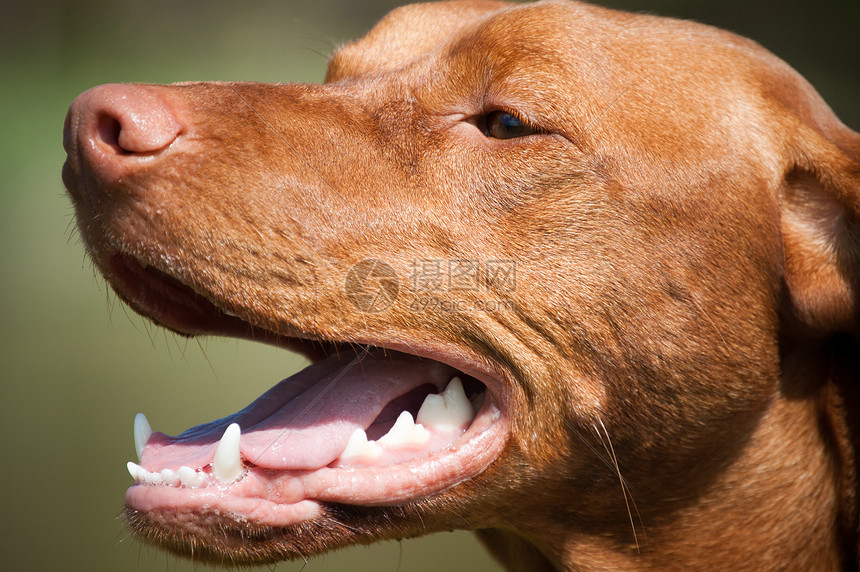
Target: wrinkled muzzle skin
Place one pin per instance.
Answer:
(610, 282)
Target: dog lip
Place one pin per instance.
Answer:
(282, 498)
(181, 308)
(167, 300)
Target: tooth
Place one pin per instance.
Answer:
(186, 475)
(142, 431)
(227, 465)
(135, 471)
(153, 478)
(405, 432)
(189, 477)
(447, 411)
(359, 447)
(170, 477)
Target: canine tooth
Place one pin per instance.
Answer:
(405, 432)
(189, 477)
(227, 465)
(135, 471)
(170, 477)
(359, 447)
(447, 411)
(142, 432)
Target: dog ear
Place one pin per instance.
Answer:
(820, 219)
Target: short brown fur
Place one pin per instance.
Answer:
(680, 360)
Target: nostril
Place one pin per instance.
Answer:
(108, 129)
(109, 121)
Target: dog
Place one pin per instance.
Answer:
(582, 281)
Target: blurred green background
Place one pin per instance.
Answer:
(75, 366)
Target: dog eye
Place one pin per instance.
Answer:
(504, 125)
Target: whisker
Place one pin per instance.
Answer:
(625, 487)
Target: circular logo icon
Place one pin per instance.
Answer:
(372, 285)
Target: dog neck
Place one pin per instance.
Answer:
(758, 515)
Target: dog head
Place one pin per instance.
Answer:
(617, 231)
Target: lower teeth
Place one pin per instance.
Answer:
(450, 412)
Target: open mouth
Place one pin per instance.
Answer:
(362, 425)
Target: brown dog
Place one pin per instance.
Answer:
(634, 241)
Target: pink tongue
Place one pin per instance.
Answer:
(305, 421)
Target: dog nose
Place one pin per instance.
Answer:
(110, 128)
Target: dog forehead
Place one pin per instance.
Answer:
(560, 30)
(407, 34)
(572, 49)
(438, 31)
